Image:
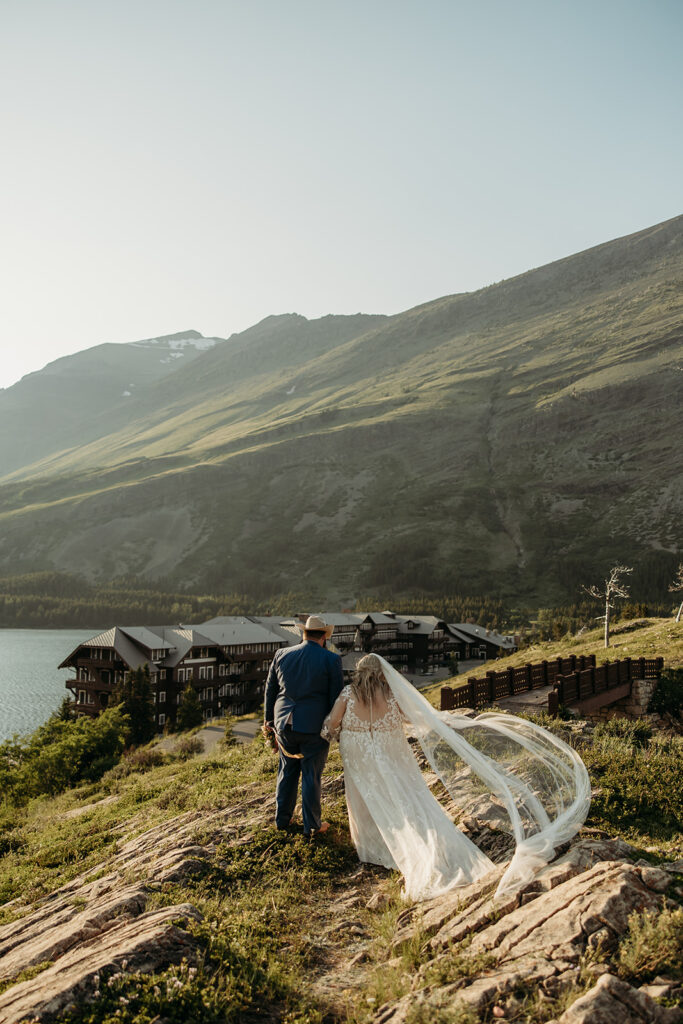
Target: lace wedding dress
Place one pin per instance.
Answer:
(512, 773)
(393, 817)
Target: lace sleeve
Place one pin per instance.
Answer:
(332, 725)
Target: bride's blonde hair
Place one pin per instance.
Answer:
(368, 680)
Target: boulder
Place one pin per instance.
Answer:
(613, 1000)
(149, 942)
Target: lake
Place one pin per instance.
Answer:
(31, 685)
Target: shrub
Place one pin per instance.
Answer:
(653, 943)
(143, 758)
(635, 732)
(638, 787)
(60, 754)
(188, 747)
(668, 696)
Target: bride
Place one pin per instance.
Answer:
(516, 775)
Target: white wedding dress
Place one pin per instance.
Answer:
(516, 775)
(393, 817)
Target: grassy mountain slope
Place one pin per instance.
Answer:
(514, 439)
(85, 396)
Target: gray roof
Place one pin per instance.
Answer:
(342, 618)
(425, 624)
(115, 637)
(351, 659)
(380, 618)
(286, 628)
(474, 632)
(239, 630)
(147, 638)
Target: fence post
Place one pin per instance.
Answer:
(511, 681)
(544, 664)
(446, 698)
(491, 676)
(641, 668)
(472, 686)
(553, 702)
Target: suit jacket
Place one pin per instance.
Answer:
(303, 681)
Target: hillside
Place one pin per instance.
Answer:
(161, 891)
(515, 440)
(636, 638)
(83, 397)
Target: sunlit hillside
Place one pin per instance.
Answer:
(515, 440)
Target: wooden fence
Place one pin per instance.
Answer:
(509, 681)
(573, 679)
(583, 685)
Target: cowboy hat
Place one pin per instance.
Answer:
(317, 622)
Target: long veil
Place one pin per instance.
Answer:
(512, 772)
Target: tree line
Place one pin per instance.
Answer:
(64, 600)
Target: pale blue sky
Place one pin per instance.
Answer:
(204, 164)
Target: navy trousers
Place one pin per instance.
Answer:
(309, 768)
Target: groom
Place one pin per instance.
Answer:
(302, 685)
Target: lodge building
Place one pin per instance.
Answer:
(227, 658)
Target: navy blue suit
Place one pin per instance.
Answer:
(302, 685)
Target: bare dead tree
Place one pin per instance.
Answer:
(677, 586)
(613, 587)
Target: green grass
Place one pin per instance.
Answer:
(270, 931)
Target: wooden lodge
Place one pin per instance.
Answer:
(227, 658)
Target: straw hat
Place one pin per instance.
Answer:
(318, 623)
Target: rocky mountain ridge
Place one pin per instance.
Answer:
(506, 440)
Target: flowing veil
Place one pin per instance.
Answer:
(516, 775)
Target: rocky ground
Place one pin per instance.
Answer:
(472, 958)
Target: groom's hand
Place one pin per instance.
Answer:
(269, 735)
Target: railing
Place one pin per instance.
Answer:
(510, 681)
(575, 687)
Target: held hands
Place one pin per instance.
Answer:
(269, 736)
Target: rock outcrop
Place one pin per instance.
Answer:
(561, 931)
(98, 923)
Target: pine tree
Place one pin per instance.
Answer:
(134, 697)
(189, 712)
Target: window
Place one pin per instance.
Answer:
(81, 696)
(162, 697)
(162, 673)
(162, 719)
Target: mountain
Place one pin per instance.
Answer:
(82, 397)
(517, 440)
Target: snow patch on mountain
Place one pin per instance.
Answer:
(175, 344)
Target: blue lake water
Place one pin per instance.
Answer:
(31, 685)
